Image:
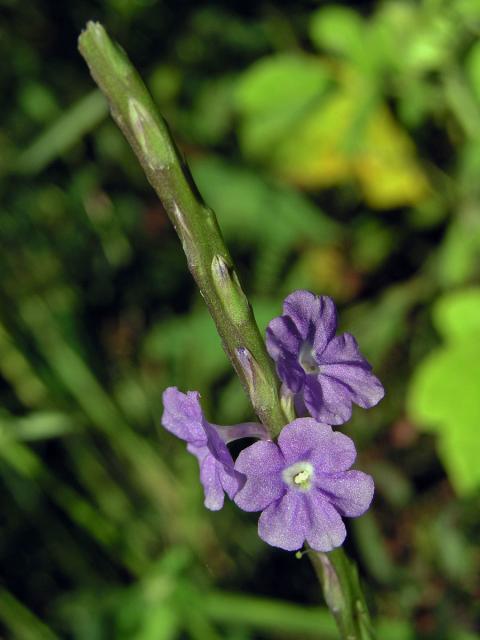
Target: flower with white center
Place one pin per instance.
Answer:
(324, 372)
(303, 485)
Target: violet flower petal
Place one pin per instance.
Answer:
(343, 361)
(301, 307)
(326, 324)
(283, 337)
(303, 485)
(350, 492)
(261, 463)
(231, 480)
(362, 387)
(291, 373)
(327, 400)
(284, 522)
(342, 349)
(326, 530)
(211, 482)
(305, 439)
(314, 316)
(182, 415)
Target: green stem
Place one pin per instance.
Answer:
(343, 593)
(211, 266)
(208, 258)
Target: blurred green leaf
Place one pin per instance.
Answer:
(252, 210)
(472, 64)
(38, 102)
(339, 29)
(457, 315)
(269, 615)
(348, 134)
(286, 618)
(372, 548)
(443, 394)
(20, 621)
(38, 425)
(192, 340)
(78, 120)
(373, 244)
(274, 95)
(211, 116)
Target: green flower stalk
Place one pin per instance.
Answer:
(208, 259)
(211, 265)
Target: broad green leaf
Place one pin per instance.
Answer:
(457, 315)
(314, 138)
(338, 29)
(386, 167)
(352, 136)
(324, 270)
(283, 81)
(374, 242)
(273, 95)
(210, 118)
(444, 391)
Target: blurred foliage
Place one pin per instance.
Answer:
(339, 145)
(447, 401)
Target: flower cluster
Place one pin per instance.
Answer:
(303, 484)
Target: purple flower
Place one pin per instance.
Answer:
(303, 486)
(183, 417)
(326, 373)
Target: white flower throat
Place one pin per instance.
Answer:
(307, 360)
(299, 475)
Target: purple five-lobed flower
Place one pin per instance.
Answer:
(183, 417)
(326, 373)
(303, 485)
